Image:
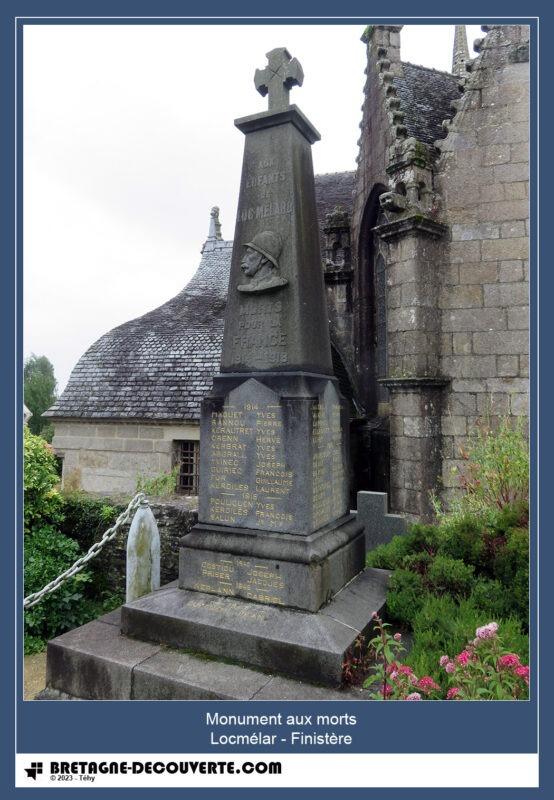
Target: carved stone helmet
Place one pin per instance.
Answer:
(269, 244)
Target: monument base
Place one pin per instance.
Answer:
(95, 662)
(308, 646)
(302, 572)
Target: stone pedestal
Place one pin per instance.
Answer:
(273, 514)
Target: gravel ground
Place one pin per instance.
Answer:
(35, 675)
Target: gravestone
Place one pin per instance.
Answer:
(262, 573)
(143, 554)
(379, 525)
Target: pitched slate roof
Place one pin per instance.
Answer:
(426, 97)
(160, 366)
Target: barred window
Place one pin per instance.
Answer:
(187, 457)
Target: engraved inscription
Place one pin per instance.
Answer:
(270, 185)
(241, 577)
(250, 483)
(261, 340)
(327, 463)
(265, 210)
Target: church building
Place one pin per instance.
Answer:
(424, 249)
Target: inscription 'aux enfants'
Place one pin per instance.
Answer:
(264, 183)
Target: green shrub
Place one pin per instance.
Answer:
(464, 539)
(47, 554)
(511, 568)
(86, 518)
(48, 551)
(425, 538)
(418, 562)
(405, 596)
(43, 502)
(492, 598)
(450, 576)
(162, 485)
(390, 555)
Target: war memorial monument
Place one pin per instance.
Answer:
(272, 576)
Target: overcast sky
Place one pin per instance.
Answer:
(129, 141)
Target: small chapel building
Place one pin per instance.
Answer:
(425, 249)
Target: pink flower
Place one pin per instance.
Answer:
(522, 672)
(443, 661)
(405, 669)
(450, 667)
(508, 661)
(387, 690)
(392, 667)
(453, 693)
(397, 637)
(414, 696)
(375, 615)
(487, 631)
(427, 684)
(463, 657)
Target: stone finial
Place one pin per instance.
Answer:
(215, 225)
(214, 240)
(278, 78)
(460, 51)
(26, 415)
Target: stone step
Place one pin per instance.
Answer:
(97, 662)
(306, 646)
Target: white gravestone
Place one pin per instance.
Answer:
(143, 555)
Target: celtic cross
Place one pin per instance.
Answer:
(278, 78)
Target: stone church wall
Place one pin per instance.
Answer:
(108, 457)
(483, 180)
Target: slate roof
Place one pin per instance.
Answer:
(160, 366)
(426, 96)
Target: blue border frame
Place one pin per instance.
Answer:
(94, 726)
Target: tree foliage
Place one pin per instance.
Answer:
(39, 392)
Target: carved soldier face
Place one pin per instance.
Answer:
(251, 262)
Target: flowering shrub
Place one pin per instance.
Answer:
(356, 662)
(494, 471)
(484, 671)
(395, 681)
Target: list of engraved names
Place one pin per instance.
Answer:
(327, 463)
(250, 483)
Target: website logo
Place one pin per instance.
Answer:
(34, 770)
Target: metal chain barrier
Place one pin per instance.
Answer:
(125, 516)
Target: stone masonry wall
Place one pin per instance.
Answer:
(108, 457)
(483, 178)
(377, 130)
(174, 519)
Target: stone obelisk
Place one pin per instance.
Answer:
(273, 521)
